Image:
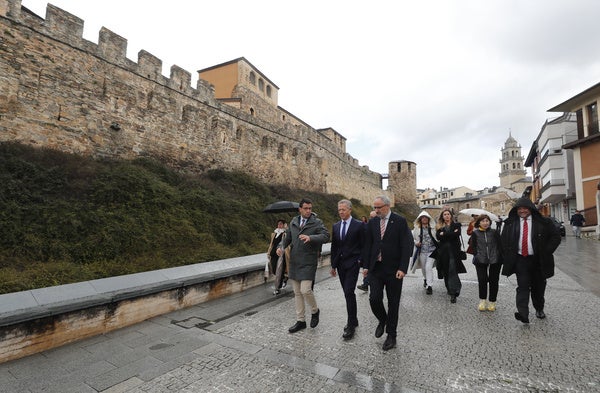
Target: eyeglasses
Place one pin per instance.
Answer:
(379, 207)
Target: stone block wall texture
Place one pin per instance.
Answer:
(61, 91)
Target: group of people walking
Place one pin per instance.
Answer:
(383, 246)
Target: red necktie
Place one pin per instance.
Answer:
(524, 250)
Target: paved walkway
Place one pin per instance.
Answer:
(241, 344)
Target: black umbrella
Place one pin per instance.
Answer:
(281, 207)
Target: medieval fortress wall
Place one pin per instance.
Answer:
(60, 91)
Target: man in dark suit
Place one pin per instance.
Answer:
(347, 239)
(386, 255)
(528, 243)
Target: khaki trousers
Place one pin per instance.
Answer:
(303, 292)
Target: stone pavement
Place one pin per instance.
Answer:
(241, 344)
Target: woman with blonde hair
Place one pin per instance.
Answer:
(425, 246)
(449, 264)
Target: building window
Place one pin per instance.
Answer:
(514, 165)
(268, 91)
(252, 78)
(592, 118)
(261, 85)
(580, 131)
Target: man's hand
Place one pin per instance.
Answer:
(279, 252)
(305, 238)
(332, 272)
(365, 272)
(400, 274)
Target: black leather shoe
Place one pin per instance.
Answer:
(540, 314)
(379, 330)
(521, 318)
(453, 299)
(314, 320)
(363, 287)
(429, 290)
(348, 332)
(390, 342)
(299, 325)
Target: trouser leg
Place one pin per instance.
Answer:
(454, 284)
(393, 290)
(523, 271)
(376, 298)
(494, 277)
(306, 288)
(538, 287)
(298, 301)
(482, 279)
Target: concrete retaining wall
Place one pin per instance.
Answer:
(41, 319)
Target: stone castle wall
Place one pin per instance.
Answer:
(60, 91)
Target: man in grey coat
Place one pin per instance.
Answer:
(306, 233)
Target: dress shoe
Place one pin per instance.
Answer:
(389, 343)
(540, 314)
(379, 330)
(363, 287)
(299, 325)
(521, 318)
(276, 292)
(429, 290)
(348, 332)
(314, 320)
(453, 299)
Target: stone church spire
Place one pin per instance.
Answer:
(511, 163)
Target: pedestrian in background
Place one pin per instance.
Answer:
(365, 282)
(306, 233)
(577, 221)
(449, 264)
(487, 258)
(387, 251)
(425, 246)
(528, 244)
(347, 240)
(276, 268)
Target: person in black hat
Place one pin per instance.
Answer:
(528, 242)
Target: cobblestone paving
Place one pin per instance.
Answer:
(230, 345)
(442, 347)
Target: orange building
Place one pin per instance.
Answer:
(586, 149)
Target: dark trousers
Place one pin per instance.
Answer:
(348, 278)
(393, 289)
(530, 280)
(488, 274)
(451, 279)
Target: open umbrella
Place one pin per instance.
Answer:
(479, 212)
(282, 207)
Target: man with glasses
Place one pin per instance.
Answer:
(388, 248)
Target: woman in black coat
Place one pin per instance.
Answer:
(449, 264)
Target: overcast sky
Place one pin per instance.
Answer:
(438, 82)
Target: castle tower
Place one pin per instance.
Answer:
(402, 182)
(511, 163)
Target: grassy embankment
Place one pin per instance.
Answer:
(66, 218)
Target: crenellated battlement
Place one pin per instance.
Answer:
(62, 91)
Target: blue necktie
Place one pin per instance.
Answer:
(343, 230)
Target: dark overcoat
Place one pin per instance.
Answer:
(545, 239)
